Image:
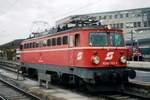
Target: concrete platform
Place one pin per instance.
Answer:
(139, 65)
(53, 93)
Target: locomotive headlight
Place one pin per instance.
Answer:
(123, 59)
(95, 60)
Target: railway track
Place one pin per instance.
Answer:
(12, 92)
(121, 96)
(125, 94)
(128, 94)
(10, 66)
(2, 98)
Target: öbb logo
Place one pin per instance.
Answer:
(109, 55)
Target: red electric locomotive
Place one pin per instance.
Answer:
(91, 55)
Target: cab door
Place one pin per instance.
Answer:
(74, 42)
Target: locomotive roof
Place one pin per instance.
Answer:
(73, 30)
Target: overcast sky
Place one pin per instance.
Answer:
(17, 16)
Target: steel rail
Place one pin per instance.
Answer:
(122, 96)
(33, 97)
(2, 98)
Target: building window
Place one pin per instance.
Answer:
(139, 15)
(127, 14)
(114, 25)
(148, 23)
(135, 24)
(145, 24)
(104, 17)
(121, 15)
(116, 16)
(100, 17)
(139, 24)
(53, 41)
(121, 25)
(59, 41)
(111, 25)
(110, 17)
(49, 42)
(117, 25)
(65, 39)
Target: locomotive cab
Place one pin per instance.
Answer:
(103, 51)
(112, 44)
(98, 48)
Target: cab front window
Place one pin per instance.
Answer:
(98, 39)
(116, 39)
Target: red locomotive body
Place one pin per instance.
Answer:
(93, 55)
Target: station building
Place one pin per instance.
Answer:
(9, 50)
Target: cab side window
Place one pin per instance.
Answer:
(77, 40)
(49, 42)
(65, 39)
(53, 41)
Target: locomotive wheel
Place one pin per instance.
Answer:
(79, 82)
(65, 79)
(32, 73)
(54, 78)
(132, 74)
